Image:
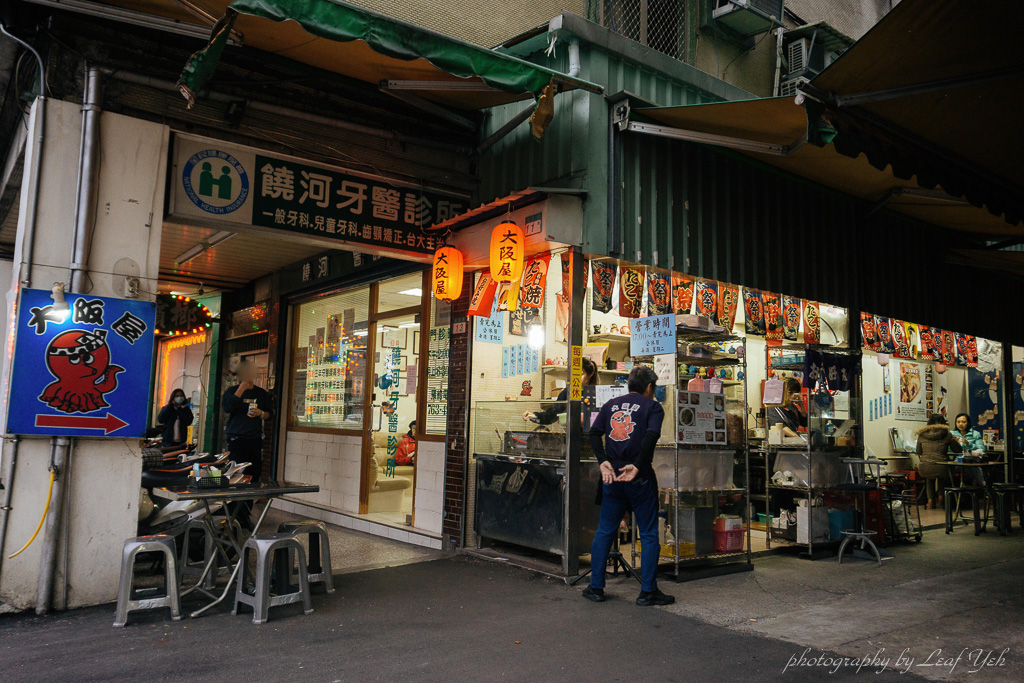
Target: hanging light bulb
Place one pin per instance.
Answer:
(536, 337)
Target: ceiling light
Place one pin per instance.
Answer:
(409, 325)
(208, 243)
(60, 305)
(415, 291)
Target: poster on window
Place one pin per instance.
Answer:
(911, 405)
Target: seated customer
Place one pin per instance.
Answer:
(406, 453)
(970, 441)
(934, 442)
(793, 416)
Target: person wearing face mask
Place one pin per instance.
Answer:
(175, 417)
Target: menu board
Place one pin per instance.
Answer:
(700, 418)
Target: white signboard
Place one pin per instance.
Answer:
(665, 368)
(653, 335)
(700, 418)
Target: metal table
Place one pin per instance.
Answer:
(228, 494)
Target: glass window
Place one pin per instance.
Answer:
(329, 360)
(400, 292)
(437, 368)
(396, 373)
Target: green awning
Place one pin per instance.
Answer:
(374, 48)
(935, 92)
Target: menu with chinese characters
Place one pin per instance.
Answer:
(700, 418)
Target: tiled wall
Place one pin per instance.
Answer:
(329, 461)
(429, 486)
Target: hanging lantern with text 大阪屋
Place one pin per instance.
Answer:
(508, 252)
(447, 274)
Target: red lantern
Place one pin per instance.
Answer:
(508, 252)
(447, 274)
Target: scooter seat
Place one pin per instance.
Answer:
(153, 478)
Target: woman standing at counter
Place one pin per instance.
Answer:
(934, 442)
(550, 414)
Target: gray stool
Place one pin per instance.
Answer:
(319, 569)
(864, 537)
(147, 544)
(266, 546)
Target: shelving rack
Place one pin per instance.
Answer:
(714, 563)
(813, 452)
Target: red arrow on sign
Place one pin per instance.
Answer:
(108, 423)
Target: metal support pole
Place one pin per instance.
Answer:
(60, 447)
(8, 482)
(574, 428)
(88, 174)
(1009, 437)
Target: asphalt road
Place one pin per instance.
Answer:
(449, 619)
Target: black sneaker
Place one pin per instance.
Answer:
(655, 597)
(594, 594)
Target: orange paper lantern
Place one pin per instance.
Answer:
(508, 252)
(447, 274)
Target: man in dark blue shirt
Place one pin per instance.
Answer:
(247, 406)
(623, 438)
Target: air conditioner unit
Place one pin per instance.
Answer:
(748, 17)
(791, 87)
(806, 57)
(798, 54)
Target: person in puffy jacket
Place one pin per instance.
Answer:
(406, 453)
(934, 443)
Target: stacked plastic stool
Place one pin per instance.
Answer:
(319, 568)
(280, 552)
(160, 543)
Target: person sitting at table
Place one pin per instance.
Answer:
(406, 454)
(934, 443)
(550, 414)
(970, 441)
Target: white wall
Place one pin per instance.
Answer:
(429, 498)
(329, 461)
(104, 481)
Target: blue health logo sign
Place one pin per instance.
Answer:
(215, 181)
(81, 372)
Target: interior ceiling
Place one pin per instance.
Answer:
(228, 265)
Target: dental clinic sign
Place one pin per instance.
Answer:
(84, 371)
(217, 183)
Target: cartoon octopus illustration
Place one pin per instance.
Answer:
(622, 425)
(80, 360)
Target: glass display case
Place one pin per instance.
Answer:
(502, 429)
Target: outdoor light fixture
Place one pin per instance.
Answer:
(536, 337)
(940, 368)
(203, 245)
(60, 305)
(508, 252)
(883, 359)
(447, 274)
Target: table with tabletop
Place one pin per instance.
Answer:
(980, 468)
(232, 493)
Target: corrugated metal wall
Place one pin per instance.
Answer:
(718, 215)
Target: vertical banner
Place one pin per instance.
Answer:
(604, 281)
(812, 322)
(576, 374)
(631, 292)
(913, 340)
(948, 348)
(659, 295)
(504, 361)
(728, 301)
(482, 301)
(682, 294)
(773, 327)
(706, 296)
(791, 318)
(753, 312)
(868, 333)
(961, 349)
(885, 344)
(901, 349)
(926, 343)
(531, 293)
(972, 351)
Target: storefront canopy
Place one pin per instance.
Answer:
(774, 131)
(935, 91)
(401, 58)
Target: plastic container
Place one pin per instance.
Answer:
(729, 541)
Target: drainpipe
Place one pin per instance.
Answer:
(778, 59)
(32, 205)
(5, 509)
(88, 172)
(574, 59)
(60, 452)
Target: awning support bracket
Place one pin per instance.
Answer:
(510, 126)
(429, 107)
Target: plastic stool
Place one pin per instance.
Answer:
(865, 539)
(1016, 493)
(266, 546)
(974, 492)
(319, 568)
(160, 543)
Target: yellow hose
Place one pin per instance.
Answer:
(49, 494)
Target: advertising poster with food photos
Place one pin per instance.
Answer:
(700, 418)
